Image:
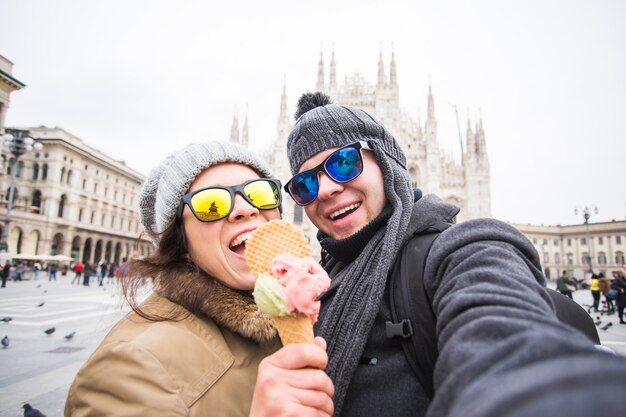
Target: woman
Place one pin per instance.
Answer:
(594, 286)
(194, 346)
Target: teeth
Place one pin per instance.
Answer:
(343, 210)
(240, 239)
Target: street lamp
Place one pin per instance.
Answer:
(587, 215)
(18, 142)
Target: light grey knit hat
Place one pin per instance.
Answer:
(166, 184)
(321, 125)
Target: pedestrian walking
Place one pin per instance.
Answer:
(111, 273)
(36, 270)
(605, 289)
(78, 272)
(594, 287)
(88, 270)
(619, 284)
(102, 272)
(52, 271)
(6, 271)
(565, 285)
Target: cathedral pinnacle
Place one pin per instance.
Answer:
(245, 133)
(234, 129)
(320, 73)
(333, 73)
(393, 78)
(381, 69)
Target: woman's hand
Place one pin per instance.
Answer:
(292, 382)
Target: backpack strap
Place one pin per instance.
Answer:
(411, 309)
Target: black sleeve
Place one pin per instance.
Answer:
(503, 352)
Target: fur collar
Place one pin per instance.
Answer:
(205, 296)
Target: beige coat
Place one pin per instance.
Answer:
(188, 367)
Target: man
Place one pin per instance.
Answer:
(502, 350)
(564, 284)
(78, 272)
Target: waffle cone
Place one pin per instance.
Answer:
(274, 238)
(294, 329)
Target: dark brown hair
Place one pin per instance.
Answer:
(169, 259)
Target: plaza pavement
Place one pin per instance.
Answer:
(38, 368)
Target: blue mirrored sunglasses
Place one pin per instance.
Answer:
(341, 166)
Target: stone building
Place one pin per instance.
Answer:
(72, 199)
(465, 183)
(569, 247)
(8, 84)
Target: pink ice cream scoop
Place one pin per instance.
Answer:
(303, 279)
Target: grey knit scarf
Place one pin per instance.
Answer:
(355, 305)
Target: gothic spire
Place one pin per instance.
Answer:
(333, 72)
(234, 128)
(245, 133)
(283, 100)
(393, 78)
(320, 73)
(431, 104)
(381, 69)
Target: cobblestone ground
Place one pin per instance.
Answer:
(38, 368)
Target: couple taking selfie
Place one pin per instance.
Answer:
(199, 346)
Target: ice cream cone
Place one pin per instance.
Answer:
(274, 238)
(294, 329)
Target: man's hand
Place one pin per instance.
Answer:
(292, 382)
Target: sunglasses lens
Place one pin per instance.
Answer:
(304, 187)
(344, 165)
(211, 204)
(263, 194)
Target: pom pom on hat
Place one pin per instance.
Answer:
(321, 125)
(309, 101)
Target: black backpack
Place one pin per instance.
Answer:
(414, 320)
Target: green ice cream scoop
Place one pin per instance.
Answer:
(268, 296)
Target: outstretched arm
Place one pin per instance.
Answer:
(502, 350)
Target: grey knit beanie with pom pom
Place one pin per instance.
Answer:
(166, 184)
(321, 125)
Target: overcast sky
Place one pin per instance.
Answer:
(139, 79)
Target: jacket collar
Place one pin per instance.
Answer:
(205, 296)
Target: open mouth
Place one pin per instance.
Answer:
(238, 245)
(341, 213)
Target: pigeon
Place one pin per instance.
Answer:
(39, 286)
(6, 319)
(45, 291)
(32, 412)
(607, 326)
(50, 330)
(41, 304)
(597, 323)
(70, 336)
(5, 342)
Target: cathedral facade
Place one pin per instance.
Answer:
(465, 183)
